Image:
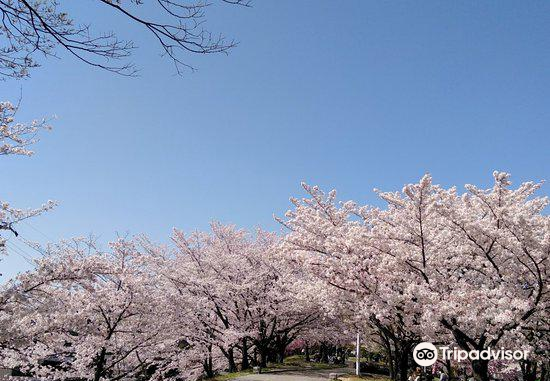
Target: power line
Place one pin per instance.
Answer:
(50, 239)
(29, 244)
(19, 249)
(19, 252)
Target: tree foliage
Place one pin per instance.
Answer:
(16, 138)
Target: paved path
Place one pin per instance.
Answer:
(294, 375)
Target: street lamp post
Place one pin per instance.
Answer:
(358, 354)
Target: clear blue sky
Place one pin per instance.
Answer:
(348, 95)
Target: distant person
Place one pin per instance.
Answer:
(415, 375)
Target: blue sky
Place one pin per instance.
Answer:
(348, 95)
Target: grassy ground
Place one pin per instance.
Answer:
(362, 359)
(291, 362)
(299, 362)
(369, 377)
(229, 376)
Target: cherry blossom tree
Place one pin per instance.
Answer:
(333, 243)
(476, 263)
(145, 310)
(91, 315)
(16, 139)
(467, 270)
(329, 336)
(242, 297)
(435, 264)
(192, 310)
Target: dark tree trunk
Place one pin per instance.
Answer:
(273, 355)
(480, 367)
(230, 357)
(481, 370)
(280, 345)
(528, 370)
(244, 351)
(323, 353)
(263, 357)
(231, 365)
(391, 363)
(544, 372)
(398, 351)
(207, 365)
(449, 369)
(255, 357)
(281, 354)
(100, 364)
(307, 352)
(403, 363)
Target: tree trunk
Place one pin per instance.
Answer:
(281, 354)
(481, 370)
(398, 351)
(263, 357)
(391, 364)
(231, 365)
(281, 344)
(245, 364)
(449, 368)
(100, 364)
(323, 353)
(403, 363)
(480, 367)
(207, 365)
(544, 372)
(528, 370)
(307, 352)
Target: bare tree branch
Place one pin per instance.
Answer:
(29, 28)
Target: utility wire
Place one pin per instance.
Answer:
(50, 239)
(19, 252)
(30, 244)
(20, 249)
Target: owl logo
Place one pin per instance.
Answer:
(425, 354)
